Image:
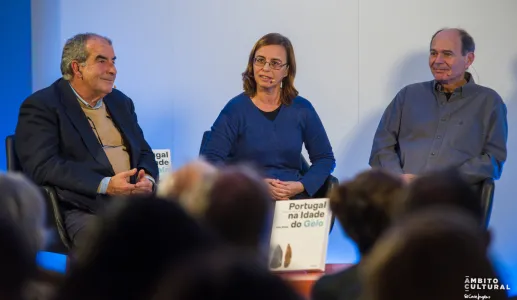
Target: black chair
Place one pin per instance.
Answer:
(486, 189)
(53, 214)
(324, 190)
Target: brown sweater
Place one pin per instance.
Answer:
(109, 137)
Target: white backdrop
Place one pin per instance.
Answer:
(180, 61)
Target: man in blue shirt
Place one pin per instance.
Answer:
(448, 122)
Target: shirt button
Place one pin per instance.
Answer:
(432, 153)
(439, 137)
(443, 119)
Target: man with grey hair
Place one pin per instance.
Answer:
(82, 136)
(448, 122)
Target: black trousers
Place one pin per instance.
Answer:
(76, 221)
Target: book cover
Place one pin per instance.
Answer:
(299, 236)
(163, 159)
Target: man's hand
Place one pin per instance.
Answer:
(119, 184)
(283, 190)
(407, 178)
(143, 184)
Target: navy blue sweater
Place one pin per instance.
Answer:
(244, 134)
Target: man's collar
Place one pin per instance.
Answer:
(463, 90)
(97, 105)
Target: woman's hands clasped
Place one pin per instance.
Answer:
(284, 190)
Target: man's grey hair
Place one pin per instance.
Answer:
(75, 49)
(23, 205)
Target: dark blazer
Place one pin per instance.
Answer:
(57, 146)
(344, 285)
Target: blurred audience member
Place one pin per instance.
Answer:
(23, 203)
(445, 187)
(23, 234)
(129, 247)
(240, 209)
(16, 260)
(222, 276)
(430, 254)
(189, 185)
(233, 201)
(365, 207)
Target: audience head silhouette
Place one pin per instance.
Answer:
(222, 275)
(240, 207)
(22, 203)
(129, 247)
(366, 205)
(427, 255)
(444, 187)
(189, 185)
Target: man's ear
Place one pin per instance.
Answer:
(469, 59)
(76, 68)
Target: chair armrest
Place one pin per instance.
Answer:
(331, 182)
(327, 186)
(55, 221)
(487, 199)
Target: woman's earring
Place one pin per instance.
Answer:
(281, 84)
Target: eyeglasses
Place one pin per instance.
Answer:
(274, 64)
(99, 137)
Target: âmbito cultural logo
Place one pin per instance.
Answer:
(475, 288)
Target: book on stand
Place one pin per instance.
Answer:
(299, 236)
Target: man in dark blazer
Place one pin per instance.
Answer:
(82, 136)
